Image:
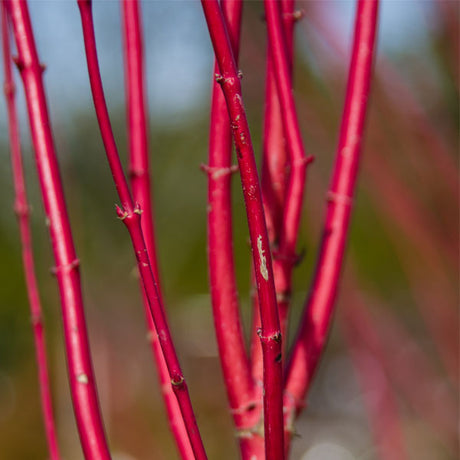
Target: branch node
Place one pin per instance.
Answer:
(216, 172)
(121, 213)
(283, 297)
(296, 15)
(339, 198)
(9, 89)
(66, 268)
(19, 63)
(137, 172)
(292, 258)
(151, 336)
(36, 319)
(303, 162)
(21, 209)
(246, 407)
(178, 382)
(276, 337)
(137, 209)
(249, 432)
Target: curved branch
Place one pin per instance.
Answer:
(318, 310)
(138, 161)
(130, 214)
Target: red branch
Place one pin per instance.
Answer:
(270, 334)
(21, 208)
(378, 394)
(82, 383)
(292, 171)
(318, 310)
(130, 214)
(397, 200)
(140, 183)
(297, 158)
(276, 164)
(404, 363)
(224, 296)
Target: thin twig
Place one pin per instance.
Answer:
(378, 393)
(81, 376)
(318, 310)
(138, 164)
(130, 214)
(21, 208)
(274, 178)
(403, 362)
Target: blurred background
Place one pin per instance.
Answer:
(389, 377)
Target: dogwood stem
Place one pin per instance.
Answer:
(270, 334)
(139, 173)
(297, 159)
(379, 396)
(318, 310)
(224, 297)
(276, 180)
(21, 208)
(285, 193)
(82, 383)
(130, 214)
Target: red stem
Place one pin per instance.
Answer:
(140, 182)
(224, 296)
(414, 113)
(275, 163)
(21, 208)
(297, 158)
(130, 214)
(378, 394)
(397, 200)
(270, 334)
(405, 364)
(82, 383)
(318, 310)
(280, 57)
(288, 219)
(428, 288)
(274, 181)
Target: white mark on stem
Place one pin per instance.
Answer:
(263, 260)
(82, 378)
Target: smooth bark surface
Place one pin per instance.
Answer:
(139, 173)
(21, 208)
(318, 310)
(130, 214)
(244, 407)
(81, 376)
(270, 334)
